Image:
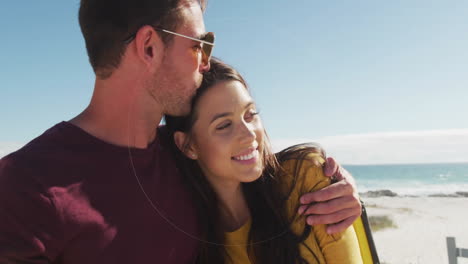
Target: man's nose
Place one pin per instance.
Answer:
(204, 66)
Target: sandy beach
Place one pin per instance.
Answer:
(422, 225)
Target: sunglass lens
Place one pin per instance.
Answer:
(207, 49)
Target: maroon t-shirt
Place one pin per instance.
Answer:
(68, 197)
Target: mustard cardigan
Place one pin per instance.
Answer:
(338, 248)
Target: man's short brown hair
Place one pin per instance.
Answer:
(105, 25)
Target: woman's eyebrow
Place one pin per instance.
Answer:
(249, 104)
(220, 115)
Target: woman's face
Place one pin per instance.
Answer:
(227, 137)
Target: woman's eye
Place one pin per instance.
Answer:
(223, 126)
(250, 115)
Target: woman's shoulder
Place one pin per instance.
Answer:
(310, 152)
(302, 167)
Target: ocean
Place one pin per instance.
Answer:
(414, 179)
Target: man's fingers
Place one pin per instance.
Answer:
(330, 206)
(341, 226)
(344, 174)
(338, 189)
(331, 167)
(336, 205)
(334, 218)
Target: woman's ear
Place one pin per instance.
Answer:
(185, 147)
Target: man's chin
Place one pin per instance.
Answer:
(183, 111)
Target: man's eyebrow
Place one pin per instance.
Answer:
(220, 115)
(201, 36)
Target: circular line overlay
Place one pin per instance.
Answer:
(160, 213)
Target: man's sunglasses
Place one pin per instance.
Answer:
(207, 42)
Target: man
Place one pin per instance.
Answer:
(103, 187)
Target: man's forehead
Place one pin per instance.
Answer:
(192, 20)
(187, 4)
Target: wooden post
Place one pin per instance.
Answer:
(452, 250)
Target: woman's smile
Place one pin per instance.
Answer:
(248, 157)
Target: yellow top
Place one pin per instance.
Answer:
(338, 248)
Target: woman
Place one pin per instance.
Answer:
(247, 197)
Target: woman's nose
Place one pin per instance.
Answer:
(247, 133)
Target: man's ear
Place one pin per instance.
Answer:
(149, 45)
(185, 147)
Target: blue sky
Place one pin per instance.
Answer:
(316, 68)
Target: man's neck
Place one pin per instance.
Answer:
(120, 115)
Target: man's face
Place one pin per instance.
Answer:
(182, 66)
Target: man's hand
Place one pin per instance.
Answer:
(337, 205)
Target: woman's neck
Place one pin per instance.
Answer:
(233, 206)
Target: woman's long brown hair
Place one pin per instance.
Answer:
(270, 238)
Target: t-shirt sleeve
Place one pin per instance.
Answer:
(29, 223)
(337, 248)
